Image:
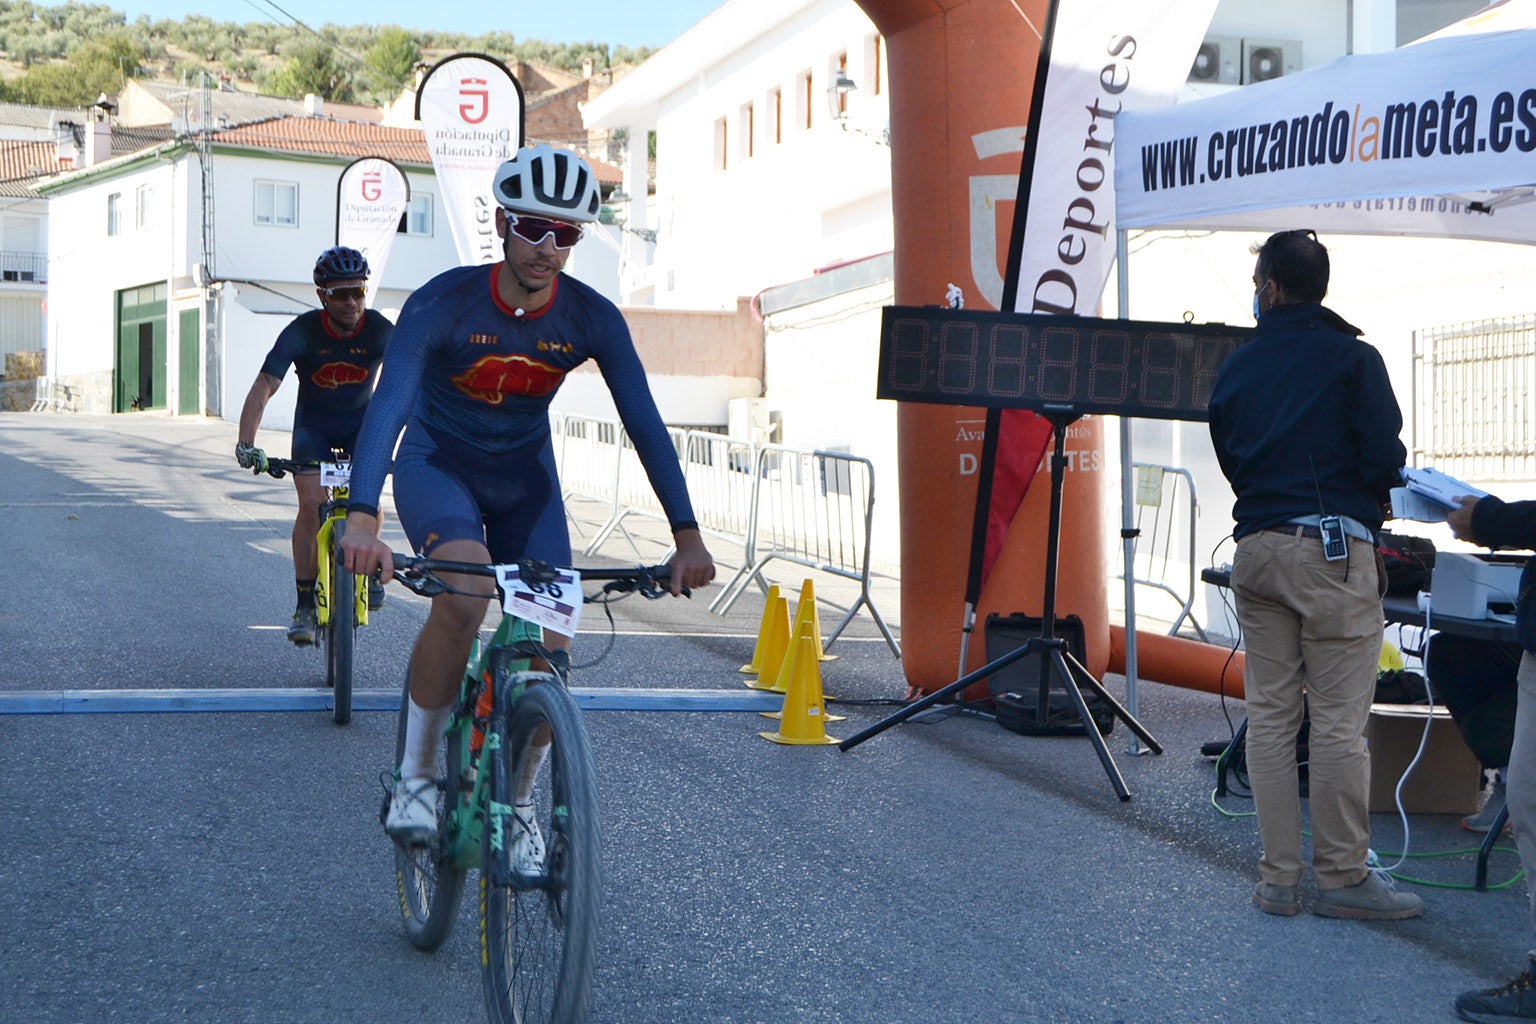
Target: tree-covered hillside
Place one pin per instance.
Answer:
(69, 54)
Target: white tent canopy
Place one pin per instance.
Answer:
(1436, 138)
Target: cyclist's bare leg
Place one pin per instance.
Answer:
(442, 647)
(306, 560)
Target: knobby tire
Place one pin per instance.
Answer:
(430, 886)
(539, 938)
(341, 633)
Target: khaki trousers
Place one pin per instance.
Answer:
(1312, 629)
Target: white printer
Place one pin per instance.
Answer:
(1475, 586)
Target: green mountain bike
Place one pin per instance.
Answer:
(538, 933)
(341, 598)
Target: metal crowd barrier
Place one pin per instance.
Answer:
(587, 454)
(55, 397)
(1165, 503)
(632, 493)
(814, 509)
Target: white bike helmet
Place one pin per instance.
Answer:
(548, 182)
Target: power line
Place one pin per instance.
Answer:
(299, 24)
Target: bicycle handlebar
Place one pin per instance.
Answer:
(276, 468)
(420, 575)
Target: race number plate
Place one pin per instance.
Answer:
(335, 474)
(554, 605)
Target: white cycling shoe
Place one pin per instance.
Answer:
(412, 817)
(527, 843)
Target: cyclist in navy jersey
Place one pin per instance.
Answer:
(335, 352)
(470, 373)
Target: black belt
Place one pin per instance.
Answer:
(1290, 530)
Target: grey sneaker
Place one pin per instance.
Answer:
(1370, 899)
(1515, 1001)
(302, 632)
(1484, 819)
(412, 817)
(527, 842)
(375, 595)
(1276, 899)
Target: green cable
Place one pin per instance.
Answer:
(1427, 883)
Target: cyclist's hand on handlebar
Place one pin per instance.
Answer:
(250, 457)
(692, 565)
(363, 552)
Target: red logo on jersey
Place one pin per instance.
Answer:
(494, 377)
(336, 375)
(477, 101)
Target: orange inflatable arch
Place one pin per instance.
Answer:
(961, 78)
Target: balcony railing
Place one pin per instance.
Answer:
(31, 267)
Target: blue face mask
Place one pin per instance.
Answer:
(1255, 305)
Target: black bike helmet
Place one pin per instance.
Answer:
(548, 182)
(340, 264)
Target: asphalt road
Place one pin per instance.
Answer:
(229, 866)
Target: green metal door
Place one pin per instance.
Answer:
(187, 330)
(141, 349)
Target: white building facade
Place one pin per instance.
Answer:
(140, 317)
(759, 189)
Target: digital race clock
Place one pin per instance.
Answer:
(1052, 364)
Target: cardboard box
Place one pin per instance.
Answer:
(1446, 779)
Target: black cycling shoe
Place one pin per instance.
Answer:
(302, 632)
(375, 595)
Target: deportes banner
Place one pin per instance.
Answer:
(1099, 57)
(1434, 138)
(371, 195)
(471, 111)
(1105, 57)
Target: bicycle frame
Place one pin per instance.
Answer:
(333, 517)
(510, 647)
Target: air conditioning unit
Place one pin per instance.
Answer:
(1218, 61)
(1264, 59)
(747, 419)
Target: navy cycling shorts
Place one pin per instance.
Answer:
(315, 434)
(510, 503)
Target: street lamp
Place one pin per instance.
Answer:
(837, 102)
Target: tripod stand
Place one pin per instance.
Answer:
(1056, 660)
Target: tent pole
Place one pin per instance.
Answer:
(1127, 523)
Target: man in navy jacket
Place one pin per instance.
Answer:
(1306, 429)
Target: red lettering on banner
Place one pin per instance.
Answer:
(474, 98)
(373, 186)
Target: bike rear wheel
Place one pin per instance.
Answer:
(340, 632)
(430, 885)
(539, 936)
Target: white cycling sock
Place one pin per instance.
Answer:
(537, 755)
(423, 731)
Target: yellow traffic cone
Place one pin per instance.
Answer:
(804, 718)
(756, 667)
(790, 667)
(806, 608)
(775, 642)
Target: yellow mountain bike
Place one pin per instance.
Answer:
(341, 598)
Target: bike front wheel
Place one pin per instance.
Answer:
(340, 632)
(539, 928)
(429, 883)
